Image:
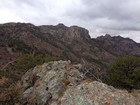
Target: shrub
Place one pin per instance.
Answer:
(31, 60)
(48, 58)
(18, 45)
(125, 73)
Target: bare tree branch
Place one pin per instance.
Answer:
(7, 64)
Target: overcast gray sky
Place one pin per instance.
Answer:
(115, 17)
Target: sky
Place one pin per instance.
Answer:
(100, 17)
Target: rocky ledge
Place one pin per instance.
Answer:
(61, 83)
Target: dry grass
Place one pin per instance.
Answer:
(3, 80)
(10, 95)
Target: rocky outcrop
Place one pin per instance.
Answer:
(67, 34)
(96, 93)
(76, 33)
(61, 83)
(49, 81)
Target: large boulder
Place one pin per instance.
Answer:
(49, 82)
(97, 93)
(61, 83)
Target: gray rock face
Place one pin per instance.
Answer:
(76, 33)
(60, 83)
(96, 93)
(67, 34)
(48, 82)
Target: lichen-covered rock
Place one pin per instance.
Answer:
(48, 82)
(60, 83)
(96, 93)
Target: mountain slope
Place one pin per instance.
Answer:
(118, 45)
(73, 43)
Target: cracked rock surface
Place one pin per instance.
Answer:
(60, 83)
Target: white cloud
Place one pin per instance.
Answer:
(8, 15)
(99, 16)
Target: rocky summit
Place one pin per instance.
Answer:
(62, 83)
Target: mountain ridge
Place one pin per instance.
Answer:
(67, 43)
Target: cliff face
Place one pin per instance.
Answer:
(76, 33)
(65, 33)
(61, 83)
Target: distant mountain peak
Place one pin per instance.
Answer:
(61, 25)
(107, 35)
(67, 34)
(119, 45)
